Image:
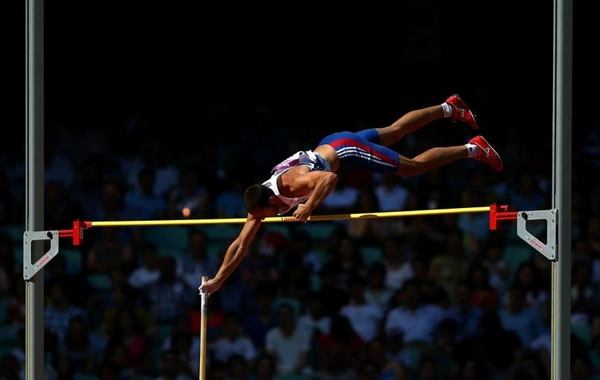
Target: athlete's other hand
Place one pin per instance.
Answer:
(302, 213)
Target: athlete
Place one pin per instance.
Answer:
(302, 181)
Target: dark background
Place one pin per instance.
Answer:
(317, 66)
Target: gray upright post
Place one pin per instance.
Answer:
(561, 185)
(34, 187)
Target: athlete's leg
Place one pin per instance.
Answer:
(453, 107)
(430, 159)
(477, 148)
(408, 123)
(358, 150)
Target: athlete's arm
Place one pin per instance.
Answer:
(234, 254)
(321, 183)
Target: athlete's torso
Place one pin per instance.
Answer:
(311, 159)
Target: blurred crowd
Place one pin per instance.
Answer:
(415, 298)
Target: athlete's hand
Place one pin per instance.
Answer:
(302, 213)
(209, 287)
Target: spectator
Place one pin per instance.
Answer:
(142, 203)
(483, 295)
(302, 244)
(59, 310)
(473, 369)
(186, 347)
(238, 368)
(376, 289)
(396, 351)
(525, 321)
(585, 299)
(233, 342)
(123, 297)
(415, 319)
(110, 251)
(444, 348)
(236, 296)
(496, 345)
(392, 194)
(147, 272)
(288, 343)
(112, 206)
(196, 261)
(386, 368)
(297, 280)
(434, 190)
(129, 333)
(347, 262)
(529, 277)
(497, 265)
(257, 324)
(449, 267)
(313, 320)
(465, 314)
(115, 358)
(366, 318)
(171, 367)
(333, 294)
(339, 352)
(78, 353)
(169, 297)
(261, 264)
(51, 348)
(397, 268)
(265, 367)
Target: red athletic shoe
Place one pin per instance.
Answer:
(461, 112)
(486, 153)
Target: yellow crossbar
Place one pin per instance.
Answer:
(279, 219)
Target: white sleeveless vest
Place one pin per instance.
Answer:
(309, 158)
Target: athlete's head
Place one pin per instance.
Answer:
(260, 201)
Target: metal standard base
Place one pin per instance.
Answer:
(548, 249)
(30, 268)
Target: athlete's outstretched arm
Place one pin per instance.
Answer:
(234, 255)
(321, 184)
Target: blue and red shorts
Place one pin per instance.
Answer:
(361, 150)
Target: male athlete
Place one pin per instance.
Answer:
(305, 179)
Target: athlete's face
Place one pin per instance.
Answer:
(265, 212)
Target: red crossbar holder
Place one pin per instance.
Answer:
(501, 215)
(76, 233)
